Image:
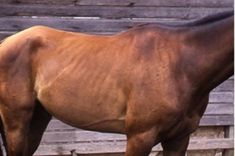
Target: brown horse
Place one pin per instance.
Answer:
(150, 83)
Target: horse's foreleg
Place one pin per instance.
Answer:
(140, 144)
(175, 147)
(38, 125)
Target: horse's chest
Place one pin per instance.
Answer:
(183, 127)
(188, 120)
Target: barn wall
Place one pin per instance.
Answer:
(215, 135)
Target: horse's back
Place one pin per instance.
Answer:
(85, 74)
(88, 78)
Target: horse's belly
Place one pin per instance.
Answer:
(99, 107)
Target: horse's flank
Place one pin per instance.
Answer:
(151, 82)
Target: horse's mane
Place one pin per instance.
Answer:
(197, 22)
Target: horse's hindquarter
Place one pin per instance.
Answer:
(81, 81)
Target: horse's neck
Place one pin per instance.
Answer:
(210, 47)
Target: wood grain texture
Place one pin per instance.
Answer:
(229, 133)
(217, 120)
(60, 2)
(114, 12)
(221, 97)
(119, 147)
(129, 3)
(89, 136)
(77, 24)
(13, 23)
(219, 109)
(175, 3)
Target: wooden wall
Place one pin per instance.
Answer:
(215, 135)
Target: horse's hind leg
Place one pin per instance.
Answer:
(16, 111)
(38, 125)
(24, 125)
(16, 125)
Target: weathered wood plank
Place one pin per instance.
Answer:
(56, 125)
(175, 3)
(119, 147)
(82, 25)
(214, 120)
(219, 109)
(89, 136)
(77, 24)
(108, 12)
(228, 85)
(209, 132)
(229, 133)
(80, 136)
(130, 3)
(208, 120)
(203, 144)
(221, 97)
(60, 2)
